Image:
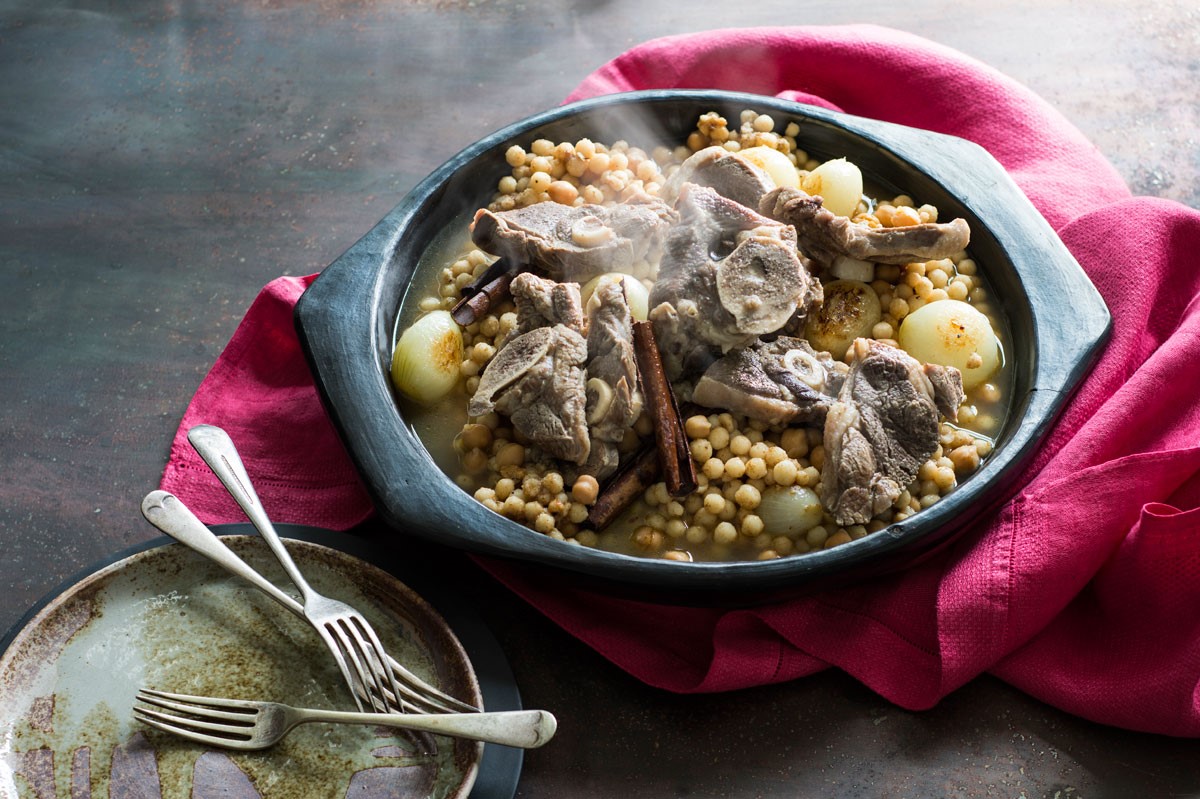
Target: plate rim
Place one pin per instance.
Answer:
(497, 771)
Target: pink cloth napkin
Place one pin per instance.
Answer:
(1083, 591)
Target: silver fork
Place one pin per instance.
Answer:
(219, 451)
(169, 514)
(246, 724)
(350, 638)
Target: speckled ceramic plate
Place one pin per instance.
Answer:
(168, 618)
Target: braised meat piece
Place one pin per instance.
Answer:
(880, 430)
(947, 388)
(575, 243)
(537, 380)
(823, 236)
(614, 400)
(781, 381)
(728, 275)
(545, 303)
(731, 175)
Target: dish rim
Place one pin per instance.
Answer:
(352, 380)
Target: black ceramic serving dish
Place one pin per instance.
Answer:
(347, 319)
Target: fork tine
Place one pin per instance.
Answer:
(336, 648)
(425, 696)
(367, 675)
(413, 700)
(199, 737)
(378, 664)
(234, 732)
(206, 711)
(203, 701)
(368, 648)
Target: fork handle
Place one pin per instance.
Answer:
(524, 729)
(216, 448)
(168, 513)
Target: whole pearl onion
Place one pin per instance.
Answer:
(790, 510)
(952, 333)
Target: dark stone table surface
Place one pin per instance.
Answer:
(161, 161)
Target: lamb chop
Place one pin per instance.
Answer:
(575, 243)
(882, 427)
(728, 275)
(780, 381)
(823, 236)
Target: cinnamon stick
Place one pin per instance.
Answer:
(495, 269)
(625, 486)
(472, 307)
(678, 470)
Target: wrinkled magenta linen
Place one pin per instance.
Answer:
(1083, 590)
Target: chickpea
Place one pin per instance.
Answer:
(562, 191)
(475, 460)
(598, 163)
(739, 445)
(837, 539)
(697, 426)
(944, 478)
(965, 459)
(585, 148)
(714, 503)
(515, 155)
(713, 469)
(816, 456)
(785, 473)
(701, 449)
(513, 507)
(725, 533)
(794, 441)
(748, 497)
(532, 510)
(647, 538)
(735, 468)
(552, 483)
(586, 489)
(756, 468)
(511, 454)
(719, 438)
(476, 436)
(774, 456)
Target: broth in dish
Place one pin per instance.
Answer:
(720, 350)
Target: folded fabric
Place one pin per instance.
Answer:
(1083, 590)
